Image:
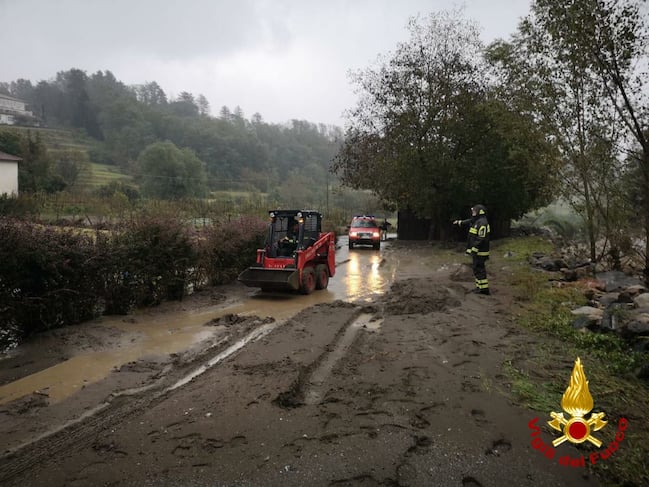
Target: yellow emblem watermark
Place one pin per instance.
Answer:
(577, 402)
(578, 427)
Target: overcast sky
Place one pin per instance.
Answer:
(286, 59)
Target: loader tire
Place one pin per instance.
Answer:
(307, 286)
(321, 277)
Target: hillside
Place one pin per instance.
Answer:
(58, 140)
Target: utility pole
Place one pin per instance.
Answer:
(327, 189)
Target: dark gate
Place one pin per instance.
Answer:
(412, 227)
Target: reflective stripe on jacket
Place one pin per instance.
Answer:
(478, 241)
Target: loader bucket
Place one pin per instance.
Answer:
(271, 279)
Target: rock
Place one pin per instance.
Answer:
(625, 297)
(641, 301)
(585, 321)
(546, 262)
(595, 284)
(617, 280)
(635, 290)
(639, 326)
(613, 317)
(576, 273)
(608, 299)
(588, 311)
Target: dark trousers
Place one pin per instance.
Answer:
(480, 272)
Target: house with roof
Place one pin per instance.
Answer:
(14, 112)
(9, 174)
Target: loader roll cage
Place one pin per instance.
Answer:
(296, 254)
(281, 241)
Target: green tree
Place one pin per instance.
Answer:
(235, 151)
(185, 105)
(541, 77)
(126, 130)
(77, 109)
(151, 94)
(167, 172)
(23, 89)
(225, 113)
(47, 103)
(69, 164)
(103, 91)
(203, 106)
(428, 136)
(34, 171)
(608, 40)
(10, 142)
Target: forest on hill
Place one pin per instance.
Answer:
(172, 147)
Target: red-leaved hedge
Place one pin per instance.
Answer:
(52, 276)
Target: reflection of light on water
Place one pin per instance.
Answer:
(375, 280)
(353, 275)
(364, 276)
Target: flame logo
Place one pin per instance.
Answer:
(577, 402)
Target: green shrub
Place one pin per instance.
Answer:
(146, 263)
(21, 206)
(229, 247)
(47, 278)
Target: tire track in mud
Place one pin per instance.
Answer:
(308, 386)
(81, 432)
(311, 385)
(84, 432)
(316, 384)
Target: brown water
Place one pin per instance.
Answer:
(361, 275)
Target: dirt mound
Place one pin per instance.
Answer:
(420, 296)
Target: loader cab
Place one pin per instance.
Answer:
(305, 266)
(292, 230)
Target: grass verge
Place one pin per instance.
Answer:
(539, 376)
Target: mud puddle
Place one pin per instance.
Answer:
(156, 334)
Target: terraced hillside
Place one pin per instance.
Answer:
(101, 174)
(58, 140)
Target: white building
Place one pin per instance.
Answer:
(13, 111)
(9, 174)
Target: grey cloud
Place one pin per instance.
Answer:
(165, 30)
(271, 56)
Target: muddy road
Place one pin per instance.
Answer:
(392, 376)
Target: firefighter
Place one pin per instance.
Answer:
(288, 244)
(478, 246)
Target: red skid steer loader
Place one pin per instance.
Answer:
(297, 255)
